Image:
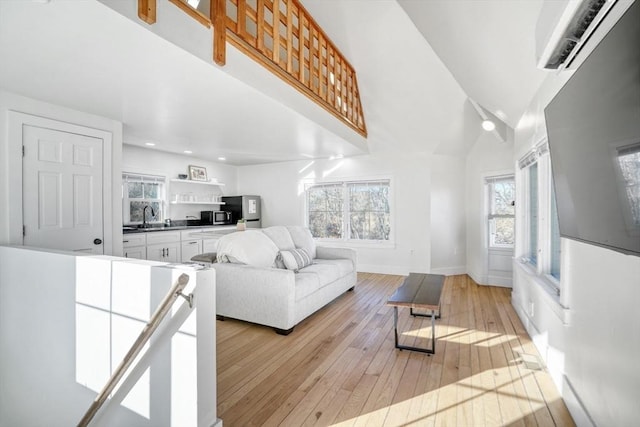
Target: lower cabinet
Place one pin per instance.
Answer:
(139, 252)
(170, 246)
(209, 245)
(191, 248)
(134, 246)
(167, 252)
(160, 245)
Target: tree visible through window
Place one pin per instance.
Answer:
(502, 193)
(139, 191)
(349, 210)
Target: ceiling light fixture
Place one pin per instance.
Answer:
(150, 144)
(188, 152)
(488, 125)
(222, 159)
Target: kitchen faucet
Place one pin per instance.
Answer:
(144, 215)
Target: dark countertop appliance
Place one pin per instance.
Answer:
(247, 207)
(215, 217)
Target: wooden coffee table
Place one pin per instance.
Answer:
(419, 291)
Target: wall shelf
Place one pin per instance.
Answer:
(188, 181)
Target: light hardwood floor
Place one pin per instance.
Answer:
(339, 367)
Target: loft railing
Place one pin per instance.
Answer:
(283, 37)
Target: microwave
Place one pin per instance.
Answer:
(215, 217)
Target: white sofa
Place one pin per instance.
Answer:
(279, 297)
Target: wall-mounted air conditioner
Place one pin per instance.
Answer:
(568, 30)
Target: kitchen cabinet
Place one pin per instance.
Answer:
(190, 248)
(134, 246)
(209, 245)
(167, 252)
(163, 246)
(173, 246)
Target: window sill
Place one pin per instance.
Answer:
(373, 244)
(547, 287)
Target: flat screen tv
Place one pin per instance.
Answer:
(593, 127)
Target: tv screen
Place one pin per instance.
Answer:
(593, 127)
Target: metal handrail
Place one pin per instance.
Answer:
(149, 329)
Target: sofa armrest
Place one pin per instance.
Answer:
(254, 294)
(325, 252)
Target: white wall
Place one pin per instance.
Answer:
(590, 342)
(412, 174)
(10, 160)
(487, 157)
(67, 323)
(448, 234)
(156, 162)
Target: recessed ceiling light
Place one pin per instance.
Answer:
(150, 144)
(488, 125)
(188, 152)
(222, 159)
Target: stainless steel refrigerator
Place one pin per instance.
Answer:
(243, 207)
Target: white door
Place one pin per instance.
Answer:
(62, 190)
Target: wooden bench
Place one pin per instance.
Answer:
(419, 291)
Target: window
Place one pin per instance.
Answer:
(533, 213)
(540, 230)
(139, 191)
(502, 193)
(355, 210)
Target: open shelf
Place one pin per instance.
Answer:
(188, 181)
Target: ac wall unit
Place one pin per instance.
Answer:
(568, 30)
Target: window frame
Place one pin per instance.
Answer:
(129, 177)
(346, 232)
(490, 182)
(542, 267)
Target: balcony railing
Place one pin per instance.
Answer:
(283, 37)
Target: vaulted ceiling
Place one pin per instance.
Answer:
(417, 61)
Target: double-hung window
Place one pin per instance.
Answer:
(502, 193)
(349, 210)
(540, 231)
(142, 195)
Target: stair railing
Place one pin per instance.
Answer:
(143, 338)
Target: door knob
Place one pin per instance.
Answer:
(97, 241)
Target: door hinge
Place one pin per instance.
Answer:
(24, 231)
(23, 151)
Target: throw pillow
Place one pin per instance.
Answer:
(294, 259)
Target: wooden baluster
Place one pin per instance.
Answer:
(290, 36)
(276, 31)
(218, 13)
(242, 19)
(324, 68)
(260, 26)
(147, 11)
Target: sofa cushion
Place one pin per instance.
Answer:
(281, 237)
(306, 284)
(302, 238)
(326, 273)
(294, 259)
(345, 266)
(247, 247)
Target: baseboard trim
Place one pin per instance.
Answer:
(404, 271)
(574, 404)
(450, 271)
(383, 269)
(504, 282)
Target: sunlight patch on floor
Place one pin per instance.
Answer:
(491, 397)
